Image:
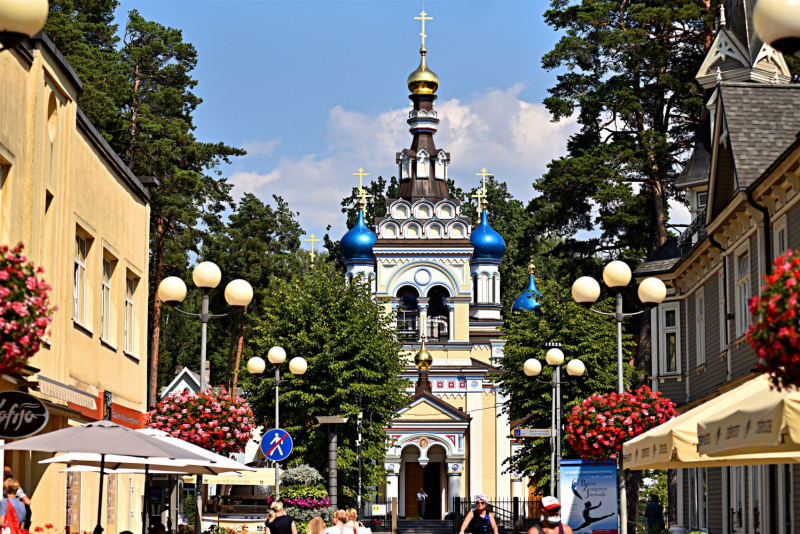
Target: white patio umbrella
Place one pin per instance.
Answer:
(103, 438)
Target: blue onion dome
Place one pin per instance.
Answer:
(357, 243)
(488, 244)
(531, 298)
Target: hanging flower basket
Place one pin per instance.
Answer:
(599, 426)
(212, 420)
(774, 334)
(24, 309)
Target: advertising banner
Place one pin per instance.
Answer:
(588, 495)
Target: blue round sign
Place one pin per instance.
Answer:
(276, 445)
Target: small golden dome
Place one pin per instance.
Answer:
(423, 359)
(423, 80)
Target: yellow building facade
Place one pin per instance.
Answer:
(84, 217)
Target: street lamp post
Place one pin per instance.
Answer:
(206, 276)
(297, 366)
(333, 444)
(20, 20)
(238, 294)
(652, 292)
(576, 368)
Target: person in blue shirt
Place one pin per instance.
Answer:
(10, 487)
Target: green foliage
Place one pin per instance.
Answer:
(303, 492)
(189, 507)
(628, 75)
(351, 347)
(584, 335)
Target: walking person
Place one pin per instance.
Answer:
(8, 473)
(551, 519)
(654, 512)
(352, 519)
(339, 519)
(12, 511)
(479, 521)
(278, 522)
(316, 526)
(421, 501)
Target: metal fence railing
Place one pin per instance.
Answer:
(511, 515)
(378, 516)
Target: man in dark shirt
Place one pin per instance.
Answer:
(654, 512)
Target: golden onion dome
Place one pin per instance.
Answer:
(423, 80)
(423, 359)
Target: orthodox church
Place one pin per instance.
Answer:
(441, 278)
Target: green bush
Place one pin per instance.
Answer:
(301, 492)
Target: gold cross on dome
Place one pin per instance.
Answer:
(481, 194)
(423, 18)
(362, 193)
(313, 240)
(483, 174)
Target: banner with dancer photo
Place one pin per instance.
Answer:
(588, 495)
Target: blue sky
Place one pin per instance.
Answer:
(314, 90)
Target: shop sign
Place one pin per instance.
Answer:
(21, 414)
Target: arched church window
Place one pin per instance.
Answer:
(408, 313)
(446, 212)
(413, 230)
(422, 169)
(424, 213)
(496, 286)
(475, 288)
(494, 298)
(402, 213)
(435, 231)
(391, 231)
(458, 230)
(440, 170)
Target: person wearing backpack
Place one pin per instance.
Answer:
(12, 511)
(551, 519)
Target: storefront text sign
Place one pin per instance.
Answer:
(21, 414)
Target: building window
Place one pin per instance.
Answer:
(700, 332)
(401, 212)
(446, 213)
(130, 287)
(105, 302)
(423, 212)
(422, 169)
(474, 288)
(702, 200)
(458, 230)
(79, 286)
(781, 242)
(742, 293)
(440, 170)
(670, 349)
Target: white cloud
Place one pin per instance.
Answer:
(512, 138)
(261, 147)
(251, 181)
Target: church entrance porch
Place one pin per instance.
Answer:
(414, 475)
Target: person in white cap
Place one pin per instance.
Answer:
(479, 521)
(551, 519)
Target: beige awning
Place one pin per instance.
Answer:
(766, 422)
(57, 390)
(260, 477)
(674, 444)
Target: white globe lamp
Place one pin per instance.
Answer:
(206, 275)
(617, 275)
(276, 355)
(298, 366)
(172, 290)
(554, 357)
(777, 23)
(21, 19)
(256, 365)
(585, 291)
(575, 368)
(532, 367)
(238, 293)
(652, 292)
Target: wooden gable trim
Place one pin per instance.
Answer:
(725, 45)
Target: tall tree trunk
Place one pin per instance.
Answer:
(234, 332)
(633, 480)
(644, 351)
(659, 233)
(239, 354)
(154, 340)
(672, 497)
(136, 83)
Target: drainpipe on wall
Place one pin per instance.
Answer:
(767, 232)
(727, 314)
